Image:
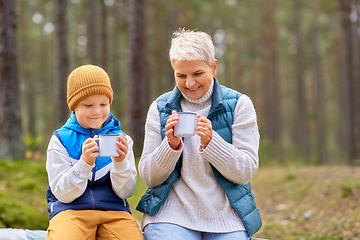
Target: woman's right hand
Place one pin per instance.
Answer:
(169, 127)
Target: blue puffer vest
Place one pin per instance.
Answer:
(221, 115)
(98, 194)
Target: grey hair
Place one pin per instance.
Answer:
(187, 45)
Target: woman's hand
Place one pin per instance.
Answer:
(122, 148)
(204, 130)
(169, 128)
(90, 151)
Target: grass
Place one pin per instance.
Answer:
(303, 203)
(22, 195)
(309, 202)
(141, 188)
(23, 185)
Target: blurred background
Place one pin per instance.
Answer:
(298, 61)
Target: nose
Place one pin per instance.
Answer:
(96, 111)
(190, 82)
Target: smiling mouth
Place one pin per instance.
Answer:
(194, 89)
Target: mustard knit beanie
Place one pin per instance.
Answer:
(85, 81)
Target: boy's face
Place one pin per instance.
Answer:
(92, 111)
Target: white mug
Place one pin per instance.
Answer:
(186, 124)
(107, 145)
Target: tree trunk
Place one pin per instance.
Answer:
(61, 64)
(26, 73)
(355, 86)
(319, 89)
(350, 84)
(91, 28)
(173, 26)
(104, 50)
(137, 81)
(239, 72)
(162, 20)
(117, 81)
(11, 144)
(272, 128)
(302, 128)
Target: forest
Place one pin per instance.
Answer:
(297, 60)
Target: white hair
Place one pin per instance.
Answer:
(187, 45)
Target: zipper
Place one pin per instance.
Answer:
(92, 198)
(92, 132)
(94, 171)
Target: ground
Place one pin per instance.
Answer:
(302, 203)
(308, 202)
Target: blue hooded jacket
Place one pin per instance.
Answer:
(98, 194)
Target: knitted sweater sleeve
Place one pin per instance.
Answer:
(238, 162)
(158, 159)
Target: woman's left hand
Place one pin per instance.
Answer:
(204, 129)
(122, 148)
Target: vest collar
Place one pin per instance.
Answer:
(111, 123)
(217, 98)
(173, 103)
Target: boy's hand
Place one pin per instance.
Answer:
(122, 148)
(90, 151)
(169, 127)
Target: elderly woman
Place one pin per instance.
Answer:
(199, 186)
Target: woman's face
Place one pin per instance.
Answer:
(194, 78)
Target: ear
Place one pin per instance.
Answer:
(215, 68)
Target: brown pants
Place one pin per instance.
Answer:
(91, 224)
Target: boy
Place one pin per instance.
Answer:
(87, 193)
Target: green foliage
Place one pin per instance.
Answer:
(15, 213)
(290, 177)
(267, 153)
(283, 195)
(22, 194)
(346, 191)
(23, 187)
(271, 154)
(32, 143)
(141, 188)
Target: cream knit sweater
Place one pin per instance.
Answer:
(197, 201)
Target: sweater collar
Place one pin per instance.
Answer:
(203, 99)
(214, 92)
